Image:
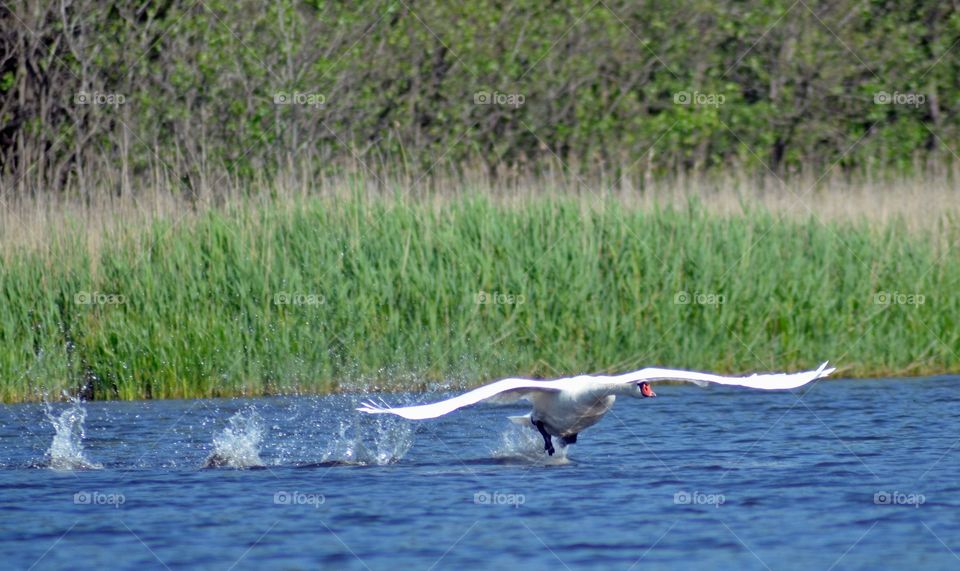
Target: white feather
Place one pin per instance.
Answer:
(588, 388)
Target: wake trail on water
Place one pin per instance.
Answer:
(66, 450)
(239, 444)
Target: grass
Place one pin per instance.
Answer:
(345, 291)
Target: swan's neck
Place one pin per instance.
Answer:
(624, 389)
(612, 389)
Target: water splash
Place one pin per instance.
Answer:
(66, 450)
(238, 446)
(525, 445)
(391, 439)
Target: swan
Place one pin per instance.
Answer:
(565, 407)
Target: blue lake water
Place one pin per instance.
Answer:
(841, 475)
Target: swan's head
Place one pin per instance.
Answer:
(645, 391)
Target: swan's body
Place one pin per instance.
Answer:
(565, 407)
(568, 412)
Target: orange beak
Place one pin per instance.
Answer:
(646, 391)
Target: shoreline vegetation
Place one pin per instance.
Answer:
(224, 198)
(116, 92)
(362, 282)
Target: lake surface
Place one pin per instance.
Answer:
(843, 474)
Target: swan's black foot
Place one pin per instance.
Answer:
(547, 441)
(568, 440)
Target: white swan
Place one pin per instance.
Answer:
(564, 407)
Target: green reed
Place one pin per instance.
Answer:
(350, 292)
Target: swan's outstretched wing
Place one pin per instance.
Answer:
(508, 390)
(769, 381)
(504, 391)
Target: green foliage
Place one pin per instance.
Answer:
(346, 292)
(598, 81)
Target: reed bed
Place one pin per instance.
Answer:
(339, 287)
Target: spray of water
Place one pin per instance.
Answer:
(238, 445)
(525, 445)
(66, 450)
(384, 443)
